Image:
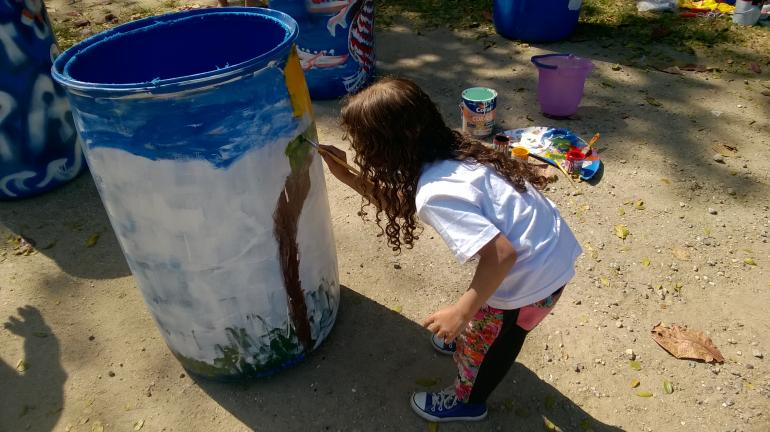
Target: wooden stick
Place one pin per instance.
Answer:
(592, 142)
(331, 155)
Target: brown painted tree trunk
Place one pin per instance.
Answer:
(286, 218)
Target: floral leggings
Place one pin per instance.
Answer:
(490, 343)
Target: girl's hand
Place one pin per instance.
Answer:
(448, 323)
(337, 169)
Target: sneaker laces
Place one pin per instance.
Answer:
(444, 400)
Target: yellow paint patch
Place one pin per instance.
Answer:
(295, 83)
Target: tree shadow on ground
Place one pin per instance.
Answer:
(70, 226)
(33, 391)
(651, 119)
(362, 376)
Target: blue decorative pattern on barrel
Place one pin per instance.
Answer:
(38, 143)
(336, 43)
(198, 151)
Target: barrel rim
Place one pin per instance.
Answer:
(59, 68)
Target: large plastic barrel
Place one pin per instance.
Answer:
(38, 143)
(198, 151)
(536, 20)
(336, 43)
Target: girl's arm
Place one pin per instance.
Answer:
(360, 185)
(496, 259)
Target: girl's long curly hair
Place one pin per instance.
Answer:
(396, 130)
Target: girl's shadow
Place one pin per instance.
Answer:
(33, 395)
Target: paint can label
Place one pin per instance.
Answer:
(478, 116)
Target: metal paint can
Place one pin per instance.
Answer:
(501, 143)
(478, 108)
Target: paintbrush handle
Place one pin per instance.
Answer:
(592, 142)
(338, 160)
(331, 155)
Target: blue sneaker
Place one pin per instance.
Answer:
(442, 347)
(445, 407)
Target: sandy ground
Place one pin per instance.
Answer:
(95, 361)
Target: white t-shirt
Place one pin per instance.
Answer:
(468, 204)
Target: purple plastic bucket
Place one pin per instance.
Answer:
(561, 81)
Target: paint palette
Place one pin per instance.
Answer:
(553, 144)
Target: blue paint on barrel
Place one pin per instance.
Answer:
(191, 143)
(336, 43)
(39, 147)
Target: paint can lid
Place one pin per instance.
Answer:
(479, 94)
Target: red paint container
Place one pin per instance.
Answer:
(574, 162)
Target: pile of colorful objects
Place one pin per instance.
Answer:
(558, 147)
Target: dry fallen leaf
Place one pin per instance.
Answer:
(22, 366)
(668, 387)
(652, 101)
(635, 365)
(644, 393)
(91, 242)
(398, 309)
(621, 231)
(639, 205)
(550, 426)
(646, 262)
(683, 343)
(24, 246)
(680, 253)
(725, 150)
(634, 383)
(750, 261)
(139, 424)
(674, 70)
(621, 211)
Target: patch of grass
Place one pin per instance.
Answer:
(619, 20)
(454, 14)
(616, 22)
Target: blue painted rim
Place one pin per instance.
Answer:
(62, 63)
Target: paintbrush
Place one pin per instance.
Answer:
(591, 143)
(553, 164)
(331, 155)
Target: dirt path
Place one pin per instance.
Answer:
(94, 359)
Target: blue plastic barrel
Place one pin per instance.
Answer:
(536, 20)
(335, 43)
(38, 143)
(199, 151)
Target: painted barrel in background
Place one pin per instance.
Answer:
(39, 147)
(336, 43)
(218, 202)
(536, 20)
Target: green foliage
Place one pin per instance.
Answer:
(298, 151)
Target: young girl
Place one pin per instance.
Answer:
(480, 202)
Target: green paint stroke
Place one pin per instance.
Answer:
(245, 356)
(299, 149)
